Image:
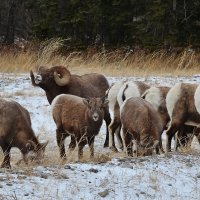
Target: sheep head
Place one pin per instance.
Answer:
(95, 107)
(35, 151)
(45, 77)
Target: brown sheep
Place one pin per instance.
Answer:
(157, 97)
(142, 123)
(16, 131)
(58, 80)
(79, 117)
(183, 107)
(118, 93)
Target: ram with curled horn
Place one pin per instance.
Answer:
(58, 80)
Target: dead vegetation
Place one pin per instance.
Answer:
(116, 62)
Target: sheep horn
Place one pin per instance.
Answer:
(61, 76)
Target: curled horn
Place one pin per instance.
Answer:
(61, 76)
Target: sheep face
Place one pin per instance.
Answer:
(95, 108)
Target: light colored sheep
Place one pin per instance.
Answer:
(183, 107)
(119, 92)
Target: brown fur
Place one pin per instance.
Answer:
(182, 136)
(142, 86)
(184, 111)
(73, 117)
(87, 85)
(141, 122)
(115, 126)
(16, 131)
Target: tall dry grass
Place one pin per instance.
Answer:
(111, 63)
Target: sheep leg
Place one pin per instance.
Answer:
(82, 142)
(72, 144)
(91, 146)
(107, 119)
(128, 142)
(197, 134)
(160, 150)
(6, 160)
(182, 138)
(112, 129)
(119, 138)
(173, 128)
(60, 137)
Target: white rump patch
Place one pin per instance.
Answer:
(197, 99)
(153, 96)
(112, 94)
(131, 91)
(172, 97)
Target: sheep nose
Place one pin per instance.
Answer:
(95, 117)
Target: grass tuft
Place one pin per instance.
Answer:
(113, 63)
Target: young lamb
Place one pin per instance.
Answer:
(16, 131)
(141, 123)
(119, 92)
(79, 117)
(183, 106)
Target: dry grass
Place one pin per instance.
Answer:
(111, 63)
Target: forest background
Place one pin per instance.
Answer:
(163, 31)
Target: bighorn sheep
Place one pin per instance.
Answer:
(119, 92)
(157, 97)
(183, 107)
(16, 131)
(58, 80)
(142, 123)
(81, 118)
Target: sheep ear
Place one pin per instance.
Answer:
(104, 101)
(86, 101)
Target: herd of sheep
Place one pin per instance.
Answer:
(79, 104)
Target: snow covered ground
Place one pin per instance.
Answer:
(172, 176)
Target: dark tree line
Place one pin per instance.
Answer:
(144, 23)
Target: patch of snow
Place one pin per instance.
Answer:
(172, 176)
